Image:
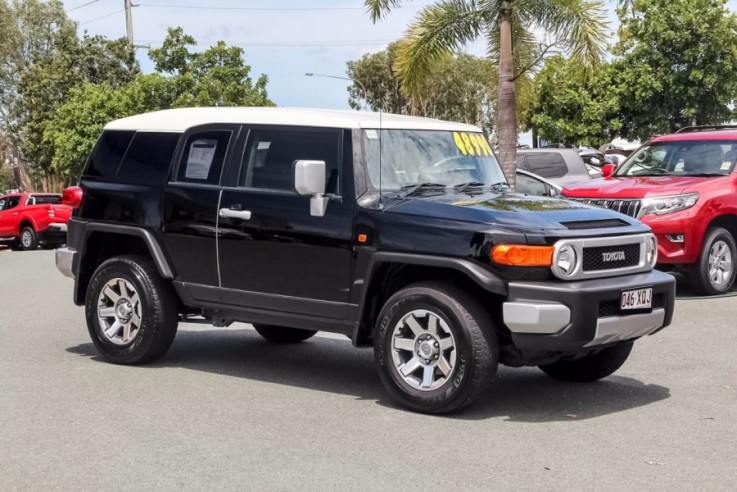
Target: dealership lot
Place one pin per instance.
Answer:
(226, 410)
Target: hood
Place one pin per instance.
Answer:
(635, 187)
(510, 210)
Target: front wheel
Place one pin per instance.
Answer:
(282, 334)
(714, 273)
(131, 311)
(591, 367)
(435, 348)
(28, 239)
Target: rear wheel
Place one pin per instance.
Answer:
(131, 311)
(282, 334)
(714, 273)
(28, 238)
(591, 367)
(435, 348)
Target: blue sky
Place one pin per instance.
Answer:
(284, 44)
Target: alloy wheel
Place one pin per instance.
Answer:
(423, 350)
(119, 311)
(720, 264)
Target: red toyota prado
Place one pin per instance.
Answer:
(682, 186)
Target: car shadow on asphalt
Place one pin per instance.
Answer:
(335, 366)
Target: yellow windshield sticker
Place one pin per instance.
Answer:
(472, 144)
(459, 143)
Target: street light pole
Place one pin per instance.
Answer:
(357, 82)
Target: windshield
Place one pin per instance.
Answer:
(689, 158)
(421, 157)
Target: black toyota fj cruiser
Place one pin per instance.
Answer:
(400, 233)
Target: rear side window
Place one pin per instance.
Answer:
(547, 164)
(148, 158)
(44, 200)
(107, 154)
(12, 202)
(203, 157)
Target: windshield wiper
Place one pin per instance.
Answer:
(495, 187)
(410, 190)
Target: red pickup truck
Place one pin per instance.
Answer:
(684, 186)
(30, 219)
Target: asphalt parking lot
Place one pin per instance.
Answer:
(225, 410)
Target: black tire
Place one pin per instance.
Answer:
(158, 311)
(475, 346)
(699, 277)
(591, 367)
(28, 239)
(282, 334)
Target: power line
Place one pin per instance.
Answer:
(102, 17)
(83, 5)
(265, 9)
(256, 44)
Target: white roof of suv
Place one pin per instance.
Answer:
(180, 120)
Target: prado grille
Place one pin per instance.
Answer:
(626, 207)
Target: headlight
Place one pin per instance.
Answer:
(565, 261)
(651, 251)
(666, 204)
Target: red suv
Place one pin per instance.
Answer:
(682, 186)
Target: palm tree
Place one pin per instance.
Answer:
(577, 26)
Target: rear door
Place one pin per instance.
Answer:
(277, 256)
(191, 203)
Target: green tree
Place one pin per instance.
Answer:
(217, 76)
(577, 25)
(676, 66)
(459, 88)
(572, 109)
(43, 59)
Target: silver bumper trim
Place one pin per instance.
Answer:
(619, 328)
(538, 318)
(65, 260)
(58, 226)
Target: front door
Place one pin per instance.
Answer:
(273, 254)
(8, 216)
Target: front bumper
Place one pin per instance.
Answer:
(665, 227)
(65, 261)
(570, 316)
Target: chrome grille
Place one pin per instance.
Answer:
(631, 207)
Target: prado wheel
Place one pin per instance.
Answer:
(435, 348)
(28, 239)
(714, 273)
(591, 367)
(282, 334)
(131, 312)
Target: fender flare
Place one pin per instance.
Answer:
(157, 254)
(24, 217)
(486, 279)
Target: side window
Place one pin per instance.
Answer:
(268, 162)
(547, 164)
(530, 186)
(148, 158)
(203, 157)
(12, 202)
(2, 204)
(107, 154)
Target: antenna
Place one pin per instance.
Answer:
(381, 194)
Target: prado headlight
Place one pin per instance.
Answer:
(651, 251)
(565, 261)
(666, 204)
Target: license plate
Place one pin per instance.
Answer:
(637, 299)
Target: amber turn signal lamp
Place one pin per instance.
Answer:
(522, 255)
(362, 238)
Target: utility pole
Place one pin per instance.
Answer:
(129, 20)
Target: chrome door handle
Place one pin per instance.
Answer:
(227, 213)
